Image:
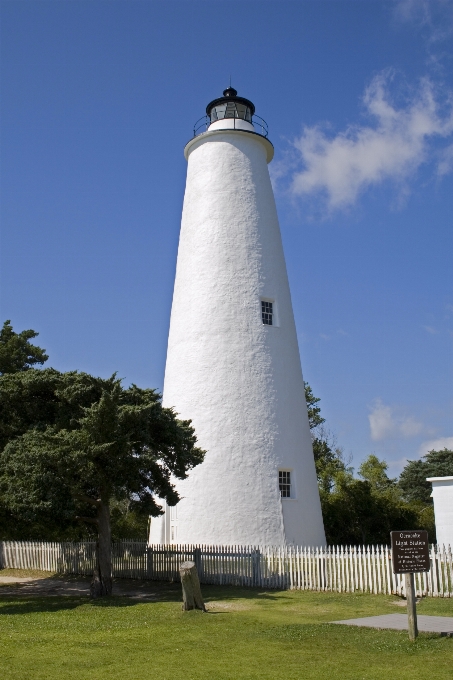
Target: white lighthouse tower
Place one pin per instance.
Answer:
(233, 363)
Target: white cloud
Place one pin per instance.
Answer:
(413, 10)
(435, 17)
(396, 466)
(445, 164)
(431, 330)
(436, 445)
(386, 424)
(392, 148)
(409, 427)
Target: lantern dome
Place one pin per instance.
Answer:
(230, 106)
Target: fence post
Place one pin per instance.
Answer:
(149, 561)
(198, 561)
(256, 565)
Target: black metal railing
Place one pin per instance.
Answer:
(204, 122)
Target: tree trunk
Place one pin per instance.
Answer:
(102, 575)
(191, 592)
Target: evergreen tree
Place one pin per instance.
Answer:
(413, 478)
(73, 445)
(328, 456)
(16, 352)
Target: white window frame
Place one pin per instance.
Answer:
(292, 494)
(275, 319)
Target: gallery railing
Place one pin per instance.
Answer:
(258, 123)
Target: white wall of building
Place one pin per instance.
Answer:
(238, 380)
(443, 508)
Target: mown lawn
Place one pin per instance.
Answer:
(247, 634)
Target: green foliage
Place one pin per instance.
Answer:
(374, 471)
(355, 512)
(329, 462)
(328, 456)
(71, 441)
(365, 510)
(314, 412)
(413, 478)
(16, 352)
(127, 523)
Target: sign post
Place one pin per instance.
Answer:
(411, 598)
(410, 555)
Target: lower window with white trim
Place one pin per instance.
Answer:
(284, 483)
(267, 312)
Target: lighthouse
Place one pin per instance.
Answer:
(233, 364)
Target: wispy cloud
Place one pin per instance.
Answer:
(445, 164)
(413, 11)
(433, 16)
(392, 148)
(385, 423)
(431, 330)
(436, 445)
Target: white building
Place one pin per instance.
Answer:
(443, 508)
(233, 363)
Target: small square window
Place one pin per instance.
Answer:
(284, 483)
(267, 312)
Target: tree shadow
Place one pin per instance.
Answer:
(35, 605)
(126, 593)
(240, 593)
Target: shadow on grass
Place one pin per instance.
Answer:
(35, 605)
(131, 594)
(236, 593)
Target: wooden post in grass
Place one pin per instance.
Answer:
(191, 591)
(411, 606)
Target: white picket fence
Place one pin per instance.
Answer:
(365, 569)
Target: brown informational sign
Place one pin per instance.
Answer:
(410, 551)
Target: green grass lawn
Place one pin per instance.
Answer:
(246, 634)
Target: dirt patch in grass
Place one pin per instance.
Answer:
(25, 573)
(228, 606)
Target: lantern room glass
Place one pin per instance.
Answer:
(231, 110)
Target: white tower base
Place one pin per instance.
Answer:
(443, 509)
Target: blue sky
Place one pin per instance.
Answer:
(98, 101)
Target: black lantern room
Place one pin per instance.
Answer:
(230, 106)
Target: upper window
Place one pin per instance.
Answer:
(284, 483)
(267, 312)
